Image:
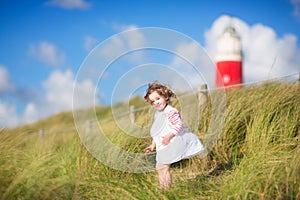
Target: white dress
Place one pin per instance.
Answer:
(183, 145)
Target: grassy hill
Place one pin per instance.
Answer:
(256, 157)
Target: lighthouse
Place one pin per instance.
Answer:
(228, 58)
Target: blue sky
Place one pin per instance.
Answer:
(44, 44)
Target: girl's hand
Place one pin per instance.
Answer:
(150, 148)
(166, 139)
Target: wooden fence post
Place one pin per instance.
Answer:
(202, 96)
(41, 133)
(88, 126)
(132, 114)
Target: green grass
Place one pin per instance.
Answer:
(256, 157)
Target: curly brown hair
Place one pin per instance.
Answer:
(161, 89)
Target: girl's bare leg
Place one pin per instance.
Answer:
(164, 176)
(168, 177)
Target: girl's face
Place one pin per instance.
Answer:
(157, 101)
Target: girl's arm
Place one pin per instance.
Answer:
(166, 139)
(175, 123)
(151, 147)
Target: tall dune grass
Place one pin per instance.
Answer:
(256, 157)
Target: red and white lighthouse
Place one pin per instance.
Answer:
(229, 58)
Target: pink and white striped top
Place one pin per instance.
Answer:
(174, 119)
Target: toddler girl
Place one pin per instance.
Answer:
(171, 139)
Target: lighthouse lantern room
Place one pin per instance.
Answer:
(228, 58)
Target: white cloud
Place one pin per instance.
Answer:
(31, 113)
(8, 111)
(296, 5)
(59, 92)
(69, 4)
(112, 49)
(5, 83)
(129, 39)
(89, 43)
(193, 62)
(47, 53)
(86, 95)
(8, 115)
(58, 97)
(59, 87)
(265, 54)
(135, 39)
(121, 27)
